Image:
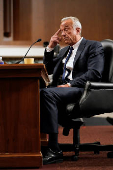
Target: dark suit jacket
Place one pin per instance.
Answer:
(88, 63)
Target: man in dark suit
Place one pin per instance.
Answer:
(81, 61)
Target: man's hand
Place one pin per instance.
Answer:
(63, 85)
(55, 39)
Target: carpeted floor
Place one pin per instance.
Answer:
(87, 160)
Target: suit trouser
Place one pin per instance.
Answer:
(53, 102)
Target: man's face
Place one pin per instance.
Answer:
(69, 34)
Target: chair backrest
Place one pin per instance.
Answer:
(108, 67)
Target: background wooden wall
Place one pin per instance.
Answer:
(33, 19)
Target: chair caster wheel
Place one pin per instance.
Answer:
(96, 152)
(110, 154)
(75, 158)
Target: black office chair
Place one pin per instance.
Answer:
(96, 99)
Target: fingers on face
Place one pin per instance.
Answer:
(56, 37)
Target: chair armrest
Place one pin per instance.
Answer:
(97, 98)
(99, 85)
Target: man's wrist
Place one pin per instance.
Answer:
(48, 49)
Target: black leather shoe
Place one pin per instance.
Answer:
(52, 157)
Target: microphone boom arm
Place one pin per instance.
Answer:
(28, 51)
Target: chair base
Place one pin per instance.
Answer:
(82, 147)
(77, 146)
(110, 154)
(96, 147)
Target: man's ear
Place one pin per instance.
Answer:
(78, 30)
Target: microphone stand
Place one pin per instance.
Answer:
(28, 51)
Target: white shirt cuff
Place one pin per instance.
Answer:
(69, 84)
(49, 49)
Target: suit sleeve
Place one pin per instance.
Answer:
(95, 66)
(50, 61)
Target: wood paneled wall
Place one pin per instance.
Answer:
(1, 21)
(22, 20)
(33, 19)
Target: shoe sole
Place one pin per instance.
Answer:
(55, 161)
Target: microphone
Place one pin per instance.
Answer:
(28, 51)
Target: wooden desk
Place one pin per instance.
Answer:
(20, 115)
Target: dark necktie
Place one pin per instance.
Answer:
(67, 58)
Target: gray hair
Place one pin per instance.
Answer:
(76, 22)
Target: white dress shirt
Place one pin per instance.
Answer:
(69, 64)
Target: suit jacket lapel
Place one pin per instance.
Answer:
(64, 53)
(61, 55)
(58, 67)
(80, 49)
